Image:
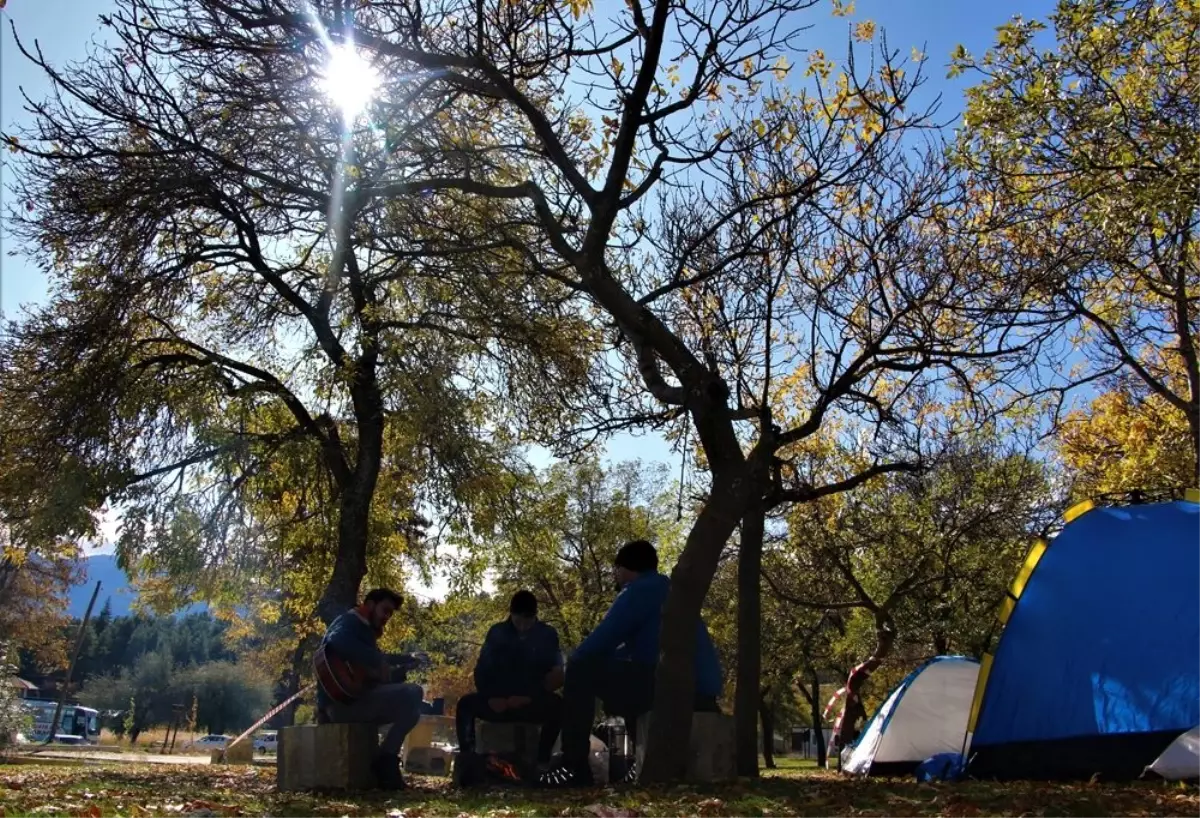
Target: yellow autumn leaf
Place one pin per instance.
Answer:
(918, 55)
(843, 9)
(818, 64)
(579, 7)
(864, 32)
(617, 67)
(781, 68)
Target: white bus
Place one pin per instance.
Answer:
(76, 725)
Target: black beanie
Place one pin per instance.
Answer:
(638, 556)
(523, 603)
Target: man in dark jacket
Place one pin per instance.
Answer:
(353, 637)
(616, 662)
(519, 669)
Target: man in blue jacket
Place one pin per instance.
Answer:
(519, 668)
(616, 662)
(351, 645)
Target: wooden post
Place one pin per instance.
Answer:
(62, 694)
(176, 716)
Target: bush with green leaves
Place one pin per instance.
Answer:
(223, 696)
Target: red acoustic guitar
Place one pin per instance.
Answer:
(344, 681)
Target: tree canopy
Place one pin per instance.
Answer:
(237, 288)
(1126, 440)
(1086, 155)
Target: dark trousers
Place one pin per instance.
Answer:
(626, 689)
(546, 709)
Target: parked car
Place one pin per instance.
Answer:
(267, 742)
(212, 742)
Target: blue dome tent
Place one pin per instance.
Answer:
(1097, 668)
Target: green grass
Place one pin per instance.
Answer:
(797, 788)
(791, 764)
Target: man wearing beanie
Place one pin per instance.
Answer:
(616, 662)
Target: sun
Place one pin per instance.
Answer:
(349, 80)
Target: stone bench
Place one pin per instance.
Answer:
(326, 757)
(428, 761)
(240, 753)
(426, 748)
(512, 737)
(429, 731)
(711, 750)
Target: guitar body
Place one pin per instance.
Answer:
(342, 680)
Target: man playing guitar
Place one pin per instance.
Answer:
(357, 683)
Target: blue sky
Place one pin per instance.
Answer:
(64, 28)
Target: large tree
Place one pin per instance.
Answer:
(238, 287)
(915, 564)
(1088, 153)
(587, 140)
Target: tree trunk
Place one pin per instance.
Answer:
(1193, 419)
(941, 643)
(814, 705)
(350, 565)
(767, 716)
(942, 613)
(354, 514)
(817, 726)
(675, 682)
(287, 716)
(749, 637)
(885, 639)
(8, 572)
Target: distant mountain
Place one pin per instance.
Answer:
(114, 588)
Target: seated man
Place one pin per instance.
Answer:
(357, 683)
(616, 663)
(519, 669)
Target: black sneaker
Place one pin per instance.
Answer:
(386, 769)
(565, 777)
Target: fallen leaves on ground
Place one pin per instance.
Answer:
(104, 789)
(603, 811)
